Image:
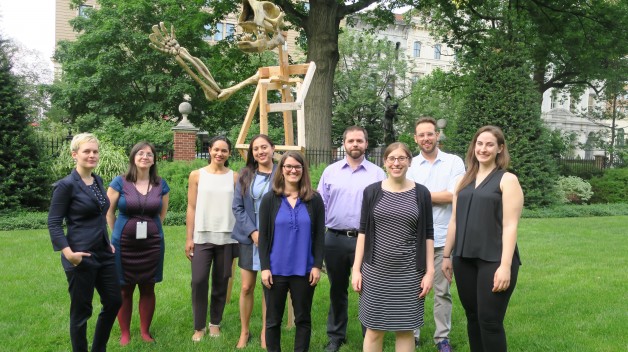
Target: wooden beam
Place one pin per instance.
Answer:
(263, 107)
(277, 107)
(286, 97)
(248, 119)
(302, 93)
(300, 123)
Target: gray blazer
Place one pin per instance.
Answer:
(244, 212)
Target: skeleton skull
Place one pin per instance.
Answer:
(261, 22)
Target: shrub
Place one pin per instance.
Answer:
(573, 189)
(113, 162)
(612, 187)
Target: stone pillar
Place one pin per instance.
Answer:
(185, 135)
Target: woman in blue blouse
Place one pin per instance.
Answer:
(142, 198)
(291, 245)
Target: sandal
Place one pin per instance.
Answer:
(198, 335)
(214, 330)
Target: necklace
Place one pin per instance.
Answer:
(256, 197)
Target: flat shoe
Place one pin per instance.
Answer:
(214, 334)
(198, 335)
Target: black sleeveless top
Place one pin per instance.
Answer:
(479, 215)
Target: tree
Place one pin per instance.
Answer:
(319, 21)
(567, 43)
(109, 70)
(370, 80)
(502, 94)
(615, 96)
(35, 76)
(22, 182)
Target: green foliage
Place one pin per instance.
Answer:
(439, 95)
(368, 71)
(111, 71)
(500, 93)
(576, 211)
(612, 187)
(157, 132)
(23, 183)
(114, 161)
(176, 173)
(572, 189)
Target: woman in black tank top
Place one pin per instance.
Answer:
(481, 248)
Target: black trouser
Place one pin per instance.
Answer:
(95, 272)
(339, 255)
(205, 256)
(302, 294)
(485, 309)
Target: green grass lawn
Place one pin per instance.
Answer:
(572, 295)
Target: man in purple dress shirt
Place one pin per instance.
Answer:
(341, 187)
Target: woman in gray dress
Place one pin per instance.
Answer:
(255, 180)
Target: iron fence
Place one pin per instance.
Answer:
(52, 146)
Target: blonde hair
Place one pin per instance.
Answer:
(81, 139)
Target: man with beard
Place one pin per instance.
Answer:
(341, 186)
(439, 172)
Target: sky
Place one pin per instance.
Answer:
(30, 22)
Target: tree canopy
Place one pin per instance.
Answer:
(109, 70)
(23, 184)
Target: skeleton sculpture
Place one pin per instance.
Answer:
(261, 22)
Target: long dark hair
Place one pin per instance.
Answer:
(305, 185)
(211, 144)
(248, 171)
(502, 160)
(131, 173)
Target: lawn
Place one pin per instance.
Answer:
(571, 296)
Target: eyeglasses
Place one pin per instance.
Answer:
(291, 167)
(148, 155)
(401, 159)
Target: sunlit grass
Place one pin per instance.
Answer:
(571, 296)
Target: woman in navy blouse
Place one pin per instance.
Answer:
(291, 245)
(87, 255)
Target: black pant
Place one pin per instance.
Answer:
(205, 256)
(302, 294)
(485, 309)
(339, 255)
(99, 272)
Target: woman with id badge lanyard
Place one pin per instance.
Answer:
(141, 197)
(255, 181)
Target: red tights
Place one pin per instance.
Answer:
(147, 309)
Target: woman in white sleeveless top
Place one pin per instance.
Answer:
(210, 222)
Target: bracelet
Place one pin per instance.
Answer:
(446, 257)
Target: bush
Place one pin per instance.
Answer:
(574, 211)
(612, 187)
(572, 189)
(113, 162)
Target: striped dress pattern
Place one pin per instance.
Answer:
(391, 283)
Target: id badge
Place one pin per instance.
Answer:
(141, 230)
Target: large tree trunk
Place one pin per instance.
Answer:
(322, 38)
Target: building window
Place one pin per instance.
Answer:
(553, 102)
(84, 10)
(417, 49)
(207, 28)
(591, 104)
(437, 52)
(230, 29)
(219, 34)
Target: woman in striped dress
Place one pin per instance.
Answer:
(394, 260)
